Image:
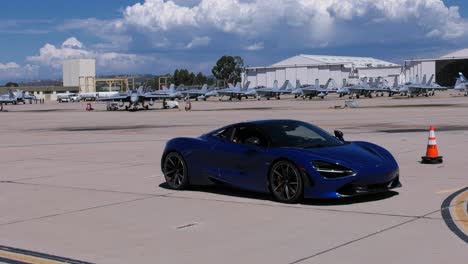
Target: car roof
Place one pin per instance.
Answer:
(266, 121)
(253, 122)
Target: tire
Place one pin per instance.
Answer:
(175, 171)
(285, 182)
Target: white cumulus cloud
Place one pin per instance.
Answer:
(287, 24)
(256, 17)
(13, 71)
(53, 56)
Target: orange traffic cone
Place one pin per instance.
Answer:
(432, 154)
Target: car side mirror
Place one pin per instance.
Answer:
(252, 141)
(339, 135)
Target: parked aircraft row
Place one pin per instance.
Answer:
(18, 97)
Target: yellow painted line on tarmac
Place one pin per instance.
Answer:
(448, 191)
(26, 258)
(459, 210)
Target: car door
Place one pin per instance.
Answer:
(240, 164)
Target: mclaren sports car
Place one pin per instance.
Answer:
(290, 159)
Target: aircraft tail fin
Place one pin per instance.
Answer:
(285, 85)
(172, 88)
(429, 82)
(298, 84)
(246, 86)
(20, 93)
(333, 84)
(423, 82)
(328, 83)
(275, 85)
(11, 94)
(462, 77)
(458, 83)
(204, 88)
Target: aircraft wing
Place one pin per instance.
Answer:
(159, 96)
(124, 98)
(6, 100)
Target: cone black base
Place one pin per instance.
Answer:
(432, 160)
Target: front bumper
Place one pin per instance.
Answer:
(360, 189)
(360, 184)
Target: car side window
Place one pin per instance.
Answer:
(224, 134)
(249, 135)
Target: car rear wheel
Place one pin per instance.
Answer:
(175, 171)
(286, 183)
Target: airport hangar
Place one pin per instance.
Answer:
(445, 68)
(307, 68)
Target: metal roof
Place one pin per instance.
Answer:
(40, 89)
(360, 62)
(463, 53)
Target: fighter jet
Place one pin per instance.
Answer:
(232, 91)
(22, 97)
(311, 91)
(165, 93)
(135, 98)
(462, 84)
(421, 88)
(340, 90)
(270, 92)
(368, 86)
(196, 93)
(9, 98)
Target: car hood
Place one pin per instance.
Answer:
(353, 154)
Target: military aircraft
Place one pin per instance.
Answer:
(311, 91)
(196, 93)
(9, 98)
(421, 88)
(136, 98)
(165, 93)
(340, 90)
(270, 92)
(25, 97)
(367, 87)
(232, 91)
(461, 84)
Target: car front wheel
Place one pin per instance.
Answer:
(286, 182)
(175, 171)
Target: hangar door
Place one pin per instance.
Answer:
(447, 71)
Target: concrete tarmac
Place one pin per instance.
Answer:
(88, 186)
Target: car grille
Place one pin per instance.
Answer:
(356, 189)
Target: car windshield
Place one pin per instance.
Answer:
(295, 134)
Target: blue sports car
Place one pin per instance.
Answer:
(288, 158)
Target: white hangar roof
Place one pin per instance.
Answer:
(457, 54)
(359, 62)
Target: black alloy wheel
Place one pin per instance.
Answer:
(286, 182)
(175, 171)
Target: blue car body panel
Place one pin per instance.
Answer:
(211, 160)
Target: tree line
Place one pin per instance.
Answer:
(228, 69)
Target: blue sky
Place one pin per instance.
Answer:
(156, 36)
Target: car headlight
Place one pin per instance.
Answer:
(331, 170)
